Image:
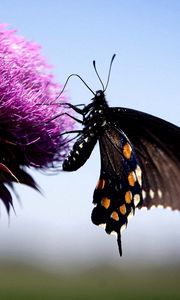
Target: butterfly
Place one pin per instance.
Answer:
(140, 161)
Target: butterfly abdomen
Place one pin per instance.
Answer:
(80, 153)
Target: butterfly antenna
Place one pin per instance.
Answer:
(94, 65)
(68, 80)
(109, 73)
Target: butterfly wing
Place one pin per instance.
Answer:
(118, 191)
(157, 144)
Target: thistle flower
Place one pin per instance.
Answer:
(30, 132)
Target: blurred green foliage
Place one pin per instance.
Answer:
(22, 282)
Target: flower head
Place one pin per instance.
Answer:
(31, 117)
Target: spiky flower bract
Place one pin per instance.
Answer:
(30, 129)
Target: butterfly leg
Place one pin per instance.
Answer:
(68, 141)
(71, 105)
(71, 131)
(75, 107)
(57, 116)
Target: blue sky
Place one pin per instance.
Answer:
(145, 35)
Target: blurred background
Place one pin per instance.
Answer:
(50, 249)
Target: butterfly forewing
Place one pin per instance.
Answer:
(157, 145)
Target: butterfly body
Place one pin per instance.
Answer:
(94, 119)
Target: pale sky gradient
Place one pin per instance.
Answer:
(145, 35)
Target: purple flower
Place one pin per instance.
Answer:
(30, 132)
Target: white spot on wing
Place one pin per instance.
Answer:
(113, 233)
(153, 207)
(160, 206)
(139, 174)
(143, 194)
(168, 207)
(122, 228)
(151, 193)
(103, 225)
(136, 199)
(159, 192)
(131, 214)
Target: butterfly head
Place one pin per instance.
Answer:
(99, 94)
(99, 99)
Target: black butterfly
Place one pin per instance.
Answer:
(140, 161)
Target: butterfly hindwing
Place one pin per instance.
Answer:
(118, 191)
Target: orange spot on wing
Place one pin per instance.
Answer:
(101, 184)
(131, 178)
(122, 209)
(115, 216)
(128, 197)
(105, 202)
(127, 150)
